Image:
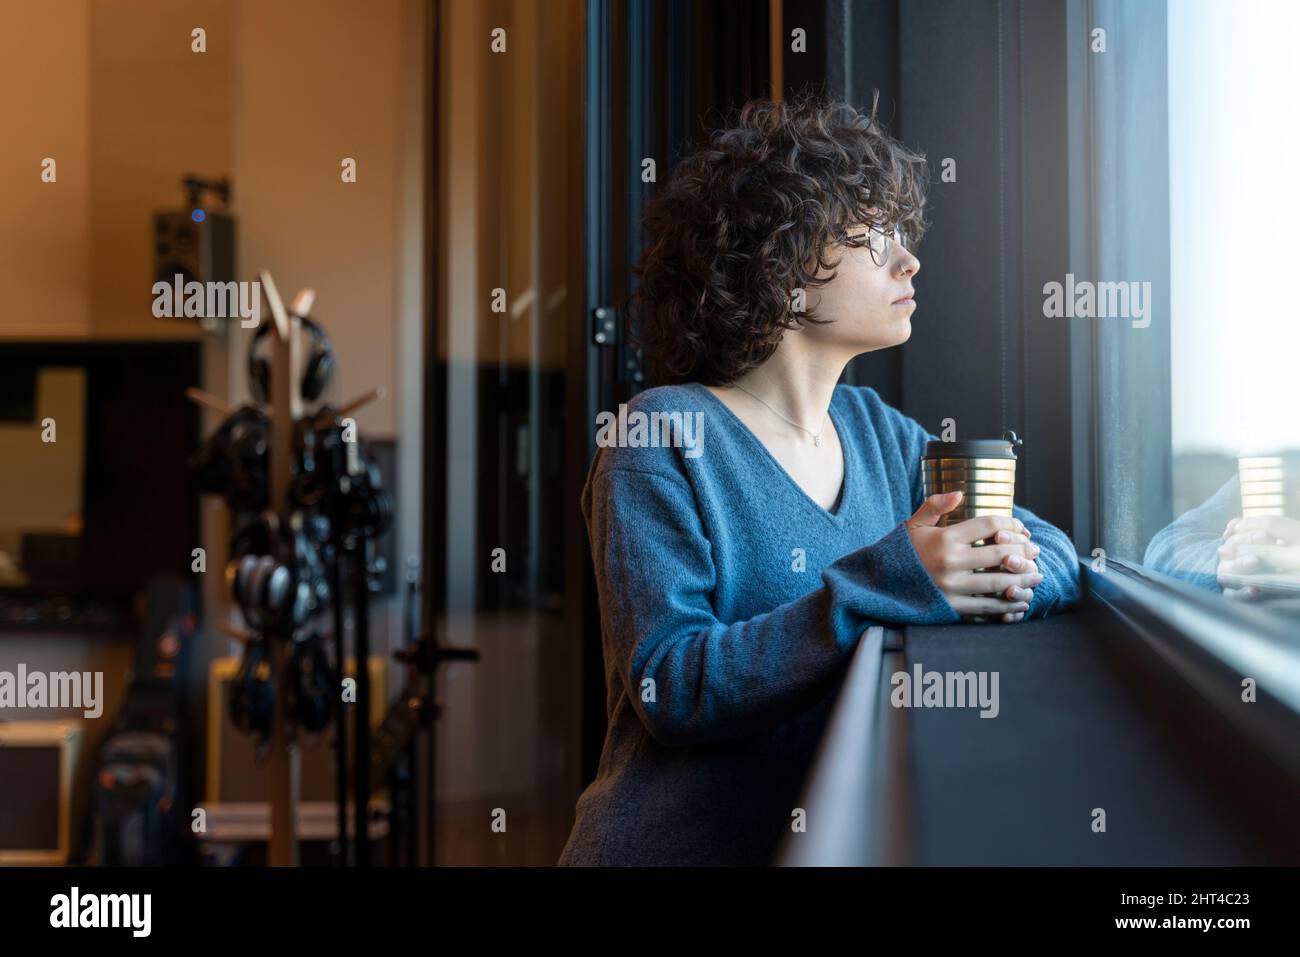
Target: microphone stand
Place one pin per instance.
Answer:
(412, 624)
(355, 550)
(340, 725)
(284, 467)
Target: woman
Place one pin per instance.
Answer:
(736, 577)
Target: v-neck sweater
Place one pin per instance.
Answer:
(731, 603)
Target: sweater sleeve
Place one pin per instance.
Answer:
(1058, 561)
(1189, 547)
(694, 679)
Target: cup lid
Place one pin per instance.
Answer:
(973, 448)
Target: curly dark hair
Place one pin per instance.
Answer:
(730, 237)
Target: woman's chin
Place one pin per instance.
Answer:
(883, 335)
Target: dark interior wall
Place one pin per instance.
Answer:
(851, 52)
(715, 57)
(660, 75)
(963, 349)
(863, 60)
(140, 431)
(982, 82)
(1046, 388)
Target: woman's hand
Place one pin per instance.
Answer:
(1020, 564)
(1257, 544)
(949, 557)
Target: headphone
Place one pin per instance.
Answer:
(252, 696)
(282, 590)
(309, 685)
(265, 591)
(309, 688)
(316, 373)
(278, 594)
(232, 463)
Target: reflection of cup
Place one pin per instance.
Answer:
(984, 470)
(1270, 484)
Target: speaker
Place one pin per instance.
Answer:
(197, 251)
(169, 626)
(234, 772)
(142, 792)
(38, 758)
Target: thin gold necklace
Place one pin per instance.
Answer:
(817, 436)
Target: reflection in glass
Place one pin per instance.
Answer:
(1236, 435)
(41, 482)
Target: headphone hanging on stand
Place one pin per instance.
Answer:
(252, 696)
(309, 684)
(265, 591)
(317, 371)
(279, 593)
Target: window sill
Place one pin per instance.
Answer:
(1214, 646)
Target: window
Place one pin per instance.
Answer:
(1203, 410)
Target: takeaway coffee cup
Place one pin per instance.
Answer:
(1270, 484)
(983, 469)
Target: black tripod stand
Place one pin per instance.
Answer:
(356, 510)
(415, 711)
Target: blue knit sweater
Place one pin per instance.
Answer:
(1188, 548)
(730, 606)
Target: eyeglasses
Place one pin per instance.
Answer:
(877, 240)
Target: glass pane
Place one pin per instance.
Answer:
(42, 443)
(509, 282)
(1234, 338)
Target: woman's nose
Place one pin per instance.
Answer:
(908, 264)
